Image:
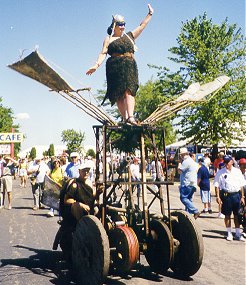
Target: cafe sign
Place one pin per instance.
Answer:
(11, 137)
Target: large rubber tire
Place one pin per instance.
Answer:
(188, 258)
(159, 253)
(125, 253)
(90, 251)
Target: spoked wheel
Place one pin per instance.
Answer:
(159, 252)
(189, 254)
(125, 248)
(90, 251)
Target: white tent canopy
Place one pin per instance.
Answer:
(178, 144)
(236, 144)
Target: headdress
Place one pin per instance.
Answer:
(117, 20)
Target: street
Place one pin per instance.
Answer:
(26, 255)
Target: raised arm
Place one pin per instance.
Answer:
(100, 58)
(144, 23)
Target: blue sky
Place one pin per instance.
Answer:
(69, 34)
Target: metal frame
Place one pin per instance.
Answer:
(102, 134)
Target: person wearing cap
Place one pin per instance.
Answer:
(229, 183)
(72, 169)
(76, 200)
(121, 67)
(242, 166)
(38, 170)
(188, 181)
(7, 180)
(204, 183)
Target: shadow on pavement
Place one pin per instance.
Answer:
(25, 198)
(221, 234)
(145, 273)
(44, 262)
(50, 264)
(207, 217)
(38, 214)
(21, 208)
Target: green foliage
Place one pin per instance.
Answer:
(125, 139)
(204, 52)
(91, 152)
(7, 124)
(6, 119)
(51, 150)
(112, 110)
(73, 140)
(150, 95)
(33, 153)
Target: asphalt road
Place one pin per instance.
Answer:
(26, 255)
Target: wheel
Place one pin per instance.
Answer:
(159, 253)
(90, 251)
(189, 254)
(125, 248)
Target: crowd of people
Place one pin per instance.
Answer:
(229, 181)
(34, 170)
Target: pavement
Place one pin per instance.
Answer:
(26, 255)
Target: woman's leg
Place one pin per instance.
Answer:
(121, 107)
(25, 180)
(10, 199)
(129, 104)
(126, 105)
(22, 181)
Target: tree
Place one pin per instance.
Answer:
(7, 124)
(149, 97)
(91, 152)
(33, 153)
(206, 51)
(73, 140)
(51, 150)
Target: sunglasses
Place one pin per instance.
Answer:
(120, 24)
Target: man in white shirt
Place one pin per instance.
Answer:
(38, 170)
(228, 183)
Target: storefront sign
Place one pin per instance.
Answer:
(4, 148)
(11, 137)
